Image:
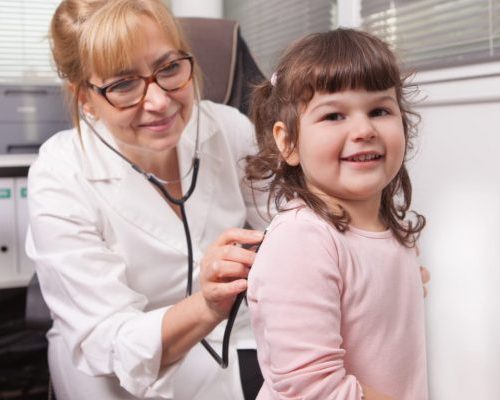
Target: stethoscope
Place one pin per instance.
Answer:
(223, 360)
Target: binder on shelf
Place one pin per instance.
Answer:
(16, 268)
(25, 267)
(8, 232)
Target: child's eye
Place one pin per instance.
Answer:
(333, 117)
(379, 112)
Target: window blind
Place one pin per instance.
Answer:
(24, 47)
(268, 26)
(436, 33)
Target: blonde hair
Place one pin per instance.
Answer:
(99, 36)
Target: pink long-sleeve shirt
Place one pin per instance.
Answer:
(333, 310)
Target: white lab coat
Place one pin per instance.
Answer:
(111, 259)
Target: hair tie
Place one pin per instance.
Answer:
(274, 78)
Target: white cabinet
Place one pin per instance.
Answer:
(24, 264)
(15, 267)
(8, 230)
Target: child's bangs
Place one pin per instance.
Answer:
(344, 64)
(364, 73)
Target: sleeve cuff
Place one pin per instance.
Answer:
(137, 353)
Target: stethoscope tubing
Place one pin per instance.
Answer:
(224, 360)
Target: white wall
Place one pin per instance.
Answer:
(348, 13)
(457, 186)
(197, 8)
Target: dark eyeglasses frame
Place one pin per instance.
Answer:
(102, 90)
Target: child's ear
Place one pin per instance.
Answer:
(280, 133)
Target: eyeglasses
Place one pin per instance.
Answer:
(130, 91)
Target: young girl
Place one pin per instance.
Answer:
(335, 293)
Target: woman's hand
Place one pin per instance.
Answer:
(225, 267)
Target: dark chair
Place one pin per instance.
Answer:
(229, 72)
(229, 69)
(37, 313)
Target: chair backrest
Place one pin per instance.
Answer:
(37, 316)
(228, 68)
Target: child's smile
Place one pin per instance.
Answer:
(363, 159)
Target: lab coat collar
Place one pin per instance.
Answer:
(150, 213)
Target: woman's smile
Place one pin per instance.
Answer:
(160, 125)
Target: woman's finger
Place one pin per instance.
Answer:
(239, 236)
(216, 257)
(221, 292)
(223, 270)
(237, 254)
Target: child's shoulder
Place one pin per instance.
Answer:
(296, 217)
(296, 211)
(296, 237)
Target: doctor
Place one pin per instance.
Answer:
(110, 252)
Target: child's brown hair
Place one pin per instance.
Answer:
(342, 59)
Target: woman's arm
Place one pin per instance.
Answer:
(224, 270)
(108, 326)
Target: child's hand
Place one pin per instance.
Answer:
(424, 274)
(426, 277)
(372, 394)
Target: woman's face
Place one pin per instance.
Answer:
(157, 123)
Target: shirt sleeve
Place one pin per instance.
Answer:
(84, 282)
(294, 294)
(241, 135)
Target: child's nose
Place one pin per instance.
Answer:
(156, 98)
(363, 129)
